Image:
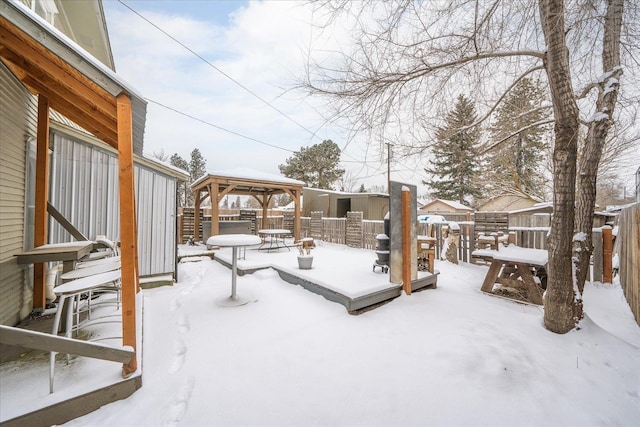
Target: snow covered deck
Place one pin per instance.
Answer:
(348, 279)
(81, 386)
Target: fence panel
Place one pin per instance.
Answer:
(370, 229)
(627, 246)
(334, 230)
(531, 237)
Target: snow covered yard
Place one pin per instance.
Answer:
(449, 356)
(445, 356)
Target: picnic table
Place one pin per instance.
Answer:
(516, 267)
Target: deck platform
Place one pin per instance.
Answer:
(346, 288)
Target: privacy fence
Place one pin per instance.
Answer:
(357, 232)
(626, 246)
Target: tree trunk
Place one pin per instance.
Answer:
(596, 138)
(559, 299)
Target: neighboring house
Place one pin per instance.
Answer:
(507, 201)
(441, 205)
(336, 204)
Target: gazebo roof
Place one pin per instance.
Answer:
(248, 181)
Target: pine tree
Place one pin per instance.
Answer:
(197, 168)
(183, 187)
(316, 165)
(197, 165)
(455, 167)
(516, 163)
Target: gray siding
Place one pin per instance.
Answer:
(18, 122)
(84, 188)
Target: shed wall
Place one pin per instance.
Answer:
(84, 188)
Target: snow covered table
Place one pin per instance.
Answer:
(234, 241)
(515, 266)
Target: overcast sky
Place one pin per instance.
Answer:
(247, 57)
(259, 45)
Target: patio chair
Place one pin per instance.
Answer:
(73, 291)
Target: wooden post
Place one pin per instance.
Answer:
(607, 253)
(296, 216)
(406, 240)
(42, 197)
(596, 270)
(196, 216)
(128, 238)
(214, 196)
(214, 191)
(265, 211)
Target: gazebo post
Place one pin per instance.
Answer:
(42, 197)
(297, 214)
(265, 211)
(214, 194)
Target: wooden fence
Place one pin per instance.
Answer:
(334, 230)
(627, 244)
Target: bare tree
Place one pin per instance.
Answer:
(160, 155)
(347, 182)
(409, 59)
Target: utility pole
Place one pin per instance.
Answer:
(389, 145)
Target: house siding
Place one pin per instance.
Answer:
(18, 122)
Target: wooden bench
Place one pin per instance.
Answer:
(195, 254)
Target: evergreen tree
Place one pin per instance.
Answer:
(362, 189)
(197, 168)
(197, 165)
(183, 187)
(455, 167)
(516, 163)
(316, 165)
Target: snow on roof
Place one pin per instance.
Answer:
(537, 207)
(453, 204)
(167, 165)
(252, 175)
(345, 193)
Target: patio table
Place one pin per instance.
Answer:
(234, 241)
(513, 266)
(274, 238)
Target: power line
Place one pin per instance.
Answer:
(217, 127)
(313, 134)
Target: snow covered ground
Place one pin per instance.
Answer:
(448, 356)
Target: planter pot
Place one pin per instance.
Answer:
(304, 262)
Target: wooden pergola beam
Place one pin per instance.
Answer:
(69, 91)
